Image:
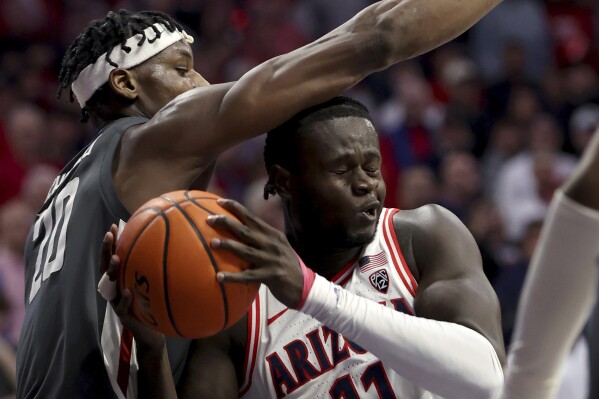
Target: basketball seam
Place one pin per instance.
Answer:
(139, 233)
(165, 275)
(160, 213)
(224, 292)
(193, 201)
(208, 252)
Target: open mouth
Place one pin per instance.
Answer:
(370, 212)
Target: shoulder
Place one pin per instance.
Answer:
(123, 124)
(437, 236)
(430, 221)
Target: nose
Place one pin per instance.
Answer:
(198, 80)
(363, 183)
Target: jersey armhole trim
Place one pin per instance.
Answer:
(397, 255)
(251, 346)
(107, 189)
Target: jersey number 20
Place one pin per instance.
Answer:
(52, 226)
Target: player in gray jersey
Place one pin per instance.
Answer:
(162, 128)
(60, 351)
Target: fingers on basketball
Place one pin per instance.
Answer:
(170, 268)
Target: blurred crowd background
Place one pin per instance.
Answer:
(488, 125)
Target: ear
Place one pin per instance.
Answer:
(123, 83)
(280, 177)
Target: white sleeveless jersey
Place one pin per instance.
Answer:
(292, 355)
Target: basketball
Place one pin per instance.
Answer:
(167, 263)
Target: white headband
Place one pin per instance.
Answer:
(93, 76)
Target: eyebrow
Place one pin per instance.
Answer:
(185, 53)
(346, 156)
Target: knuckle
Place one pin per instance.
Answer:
(280, 237)
(245, 232)
(275, 250)
(249, 274)
(227, 243)
(219, 220)
(277, 275)
(251, 251)
(222, 220)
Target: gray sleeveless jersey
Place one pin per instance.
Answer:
(60, 353)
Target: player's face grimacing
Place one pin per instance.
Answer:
(339, 190)
(165, 76)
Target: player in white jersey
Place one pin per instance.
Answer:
(290, 351)
(400, 307)
(561, 288)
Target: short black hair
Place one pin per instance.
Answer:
(282, 141)
(101, 36)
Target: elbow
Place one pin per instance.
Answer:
(396, 41)
(494, 386)
(372, 37)
(374, 50)
(486, 380)
(491, 384)
(384, 52)
(380, 44)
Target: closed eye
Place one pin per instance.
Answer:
(182, 71)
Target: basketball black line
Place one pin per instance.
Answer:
(165, 275)
(135, 238)
(193, 201)
(162, 214)
(210, 256)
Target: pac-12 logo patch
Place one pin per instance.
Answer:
(380, 280)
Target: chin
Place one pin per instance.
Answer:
(359, 239)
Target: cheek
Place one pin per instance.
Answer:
(167, 84)
(330, 201)
(381, 190)
(163, 94)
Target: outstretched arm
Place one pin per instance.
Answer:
(561, 285)
(381, 35)
(448, 349)
(195, 127)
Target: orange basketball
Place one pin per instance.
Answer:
(167, 263)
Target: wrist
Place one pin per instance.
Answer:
(151, 352)
(322, 298)
(309, 277)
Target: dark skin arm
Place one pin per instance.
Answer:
(440, 249)
(151, 346)
(452, 286)
(210, 371)
(187, 134)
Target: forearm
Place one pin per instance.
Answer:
(558, 296)
(154, 378)
(381, 35)
(445, 358)
(413, 27)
